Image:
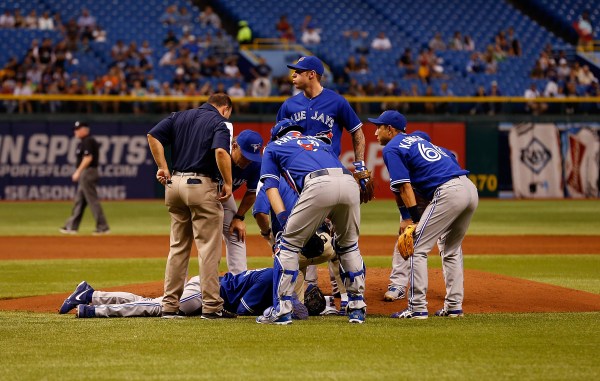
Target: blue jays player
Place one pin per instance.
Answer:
(247, 293)
(414, 162)
(401, 267)
(327, 189)
(246, 156)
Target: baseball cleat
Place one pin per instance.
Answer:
(343, 307)
(449, 313)
(172, 315)
(85, 311)
(81, 295)
(408, 314)
(101, 232)
(64, 230)
(394, 293)
(269, 317)
(357, 316)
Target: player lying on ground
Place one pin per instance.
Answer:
(247, 293)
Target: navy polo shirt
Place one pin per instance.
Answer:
(193, 136)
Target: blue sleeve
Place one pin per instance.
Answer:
(282, 113)
(261, 204)
(395, 166)
(222, 138)
(349, 118)
(269, 171)
(163, 130)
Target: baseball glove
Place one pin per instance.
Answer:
(314, 247)
(406, 245)
(367, 185)
(314, 300)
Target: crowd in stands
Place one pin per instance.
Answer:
(208, 63)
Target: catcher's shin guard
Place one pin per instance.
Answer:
(285, 272)
(352, 272)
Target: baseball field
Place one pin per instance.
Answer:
(532, 303)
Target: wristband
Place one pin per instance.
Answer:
(282, 218)
(404, 213)
(238, 217)
(414, 213)
(359, 165)
(266, 234)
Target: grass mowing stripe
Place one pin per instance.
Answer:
(508, 346)
(493, 217)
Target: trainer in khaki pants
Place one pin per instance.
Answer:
(200, 141)
(194, 207)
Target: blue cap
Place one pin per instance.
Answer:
(251, 144)
(283, 126)
(391, 117)
(422, 135)
(309, 63)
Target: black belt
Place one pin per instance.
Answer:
(325, 172)
(197, 174)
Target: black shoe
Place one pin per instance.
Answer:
(172, 315)
(223, 314)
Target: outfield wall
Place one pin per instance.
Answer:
(37, 157)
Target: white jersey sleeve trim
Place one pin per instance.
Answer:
(356, 128)
(263, 177)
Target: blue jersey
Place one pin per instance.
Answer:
(294, 156)
(327, 112)
(412, 159)
(249, 292)
(249, 175)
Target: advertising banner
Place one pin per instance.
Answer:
(581, 150)
(37, 160)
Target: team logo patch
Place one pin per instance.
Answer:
(255, 146)
(535, 156)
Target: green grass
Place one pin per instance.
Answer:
(41, 277)
(477, 347)
(493, 217)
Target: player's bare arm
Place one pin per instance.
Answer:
(403, 221)
(224, 163)
(238, 226)
(358, 141)
(408, 198)
(275, 200)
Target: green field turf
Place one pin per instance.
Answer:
(493, 217)
(543, 346)
(547, 346)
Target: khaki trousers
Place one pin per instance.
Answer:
(196, 215)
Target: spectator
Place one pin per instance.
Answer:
(490, 63)
(231, 68)
(493, 107)
(86, 20)
(468, 44)
(424, 70)
(445, 91)
(430, 107)
(288, 35)
(535, 108)
(237, 91)
(357, 40)
(408, 64)
(351, 66)
(25, 89)
(185, 19)
(31, 20)
(190, 45)
(7, 20)
(456, 43)
(222, 44)
(311, 35)
(381, 42)
(363, 65)
(515, 45)
(475, 64)
(262, 69)
(170, 16)
(563, 70)
(170, 39)
(119, 51)
(72, 34)
(437, 44)
(585, 31)
(58, 24)
(537, 72)
(19, 20)
(585, 76)
(479, 107)
(45, 22)
(209, 18)
(551, 89)
(244, 34)
(282, 25)
(87, 34)
(211, 67)
(571, 92)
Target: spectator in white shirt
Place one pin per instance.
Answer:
(7, 20)
(45, 22)
(86, 20)
(31, 20)
(536, 108)
(311, 35)
(381, 42)
(585, 76)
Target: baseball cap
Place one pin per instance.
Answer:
(284, 126)
(250, 143)
(421, 134)
(308, 63)
(80, 124)
(391, 117)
